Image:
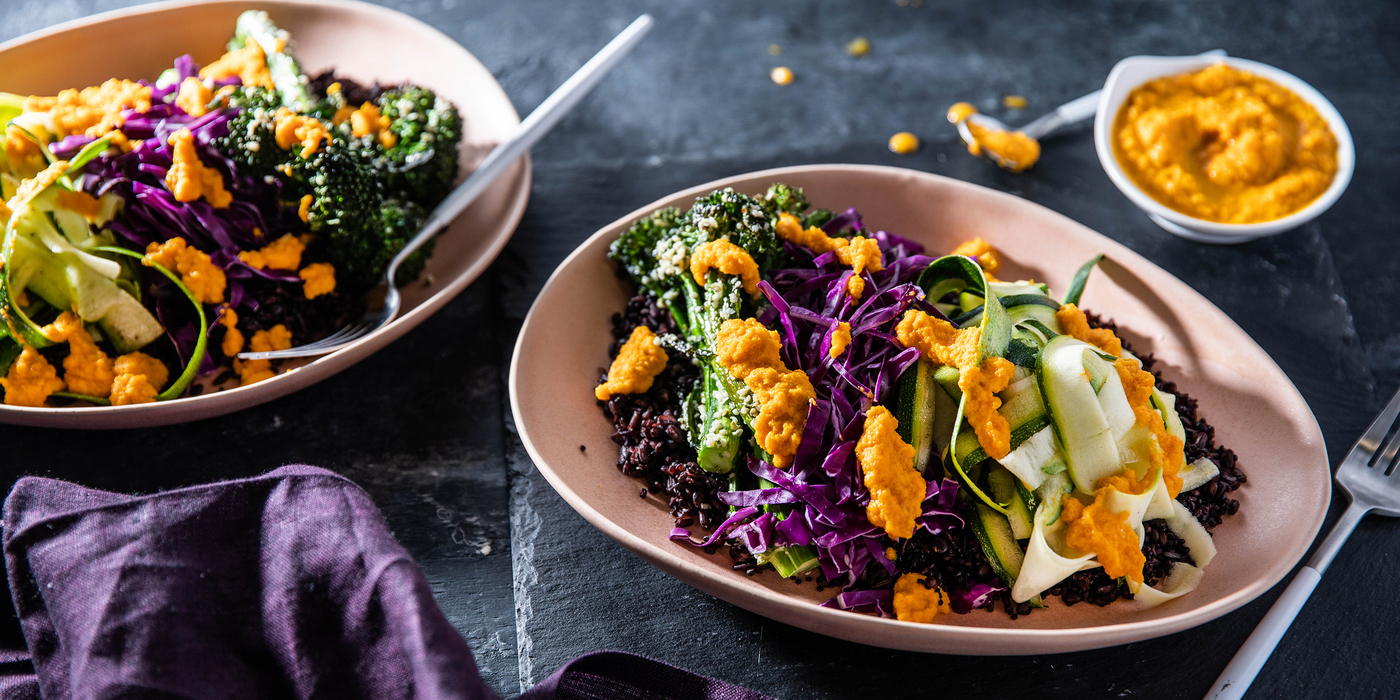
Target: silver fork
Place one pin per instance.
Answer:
(501, 157)
(1368, 476)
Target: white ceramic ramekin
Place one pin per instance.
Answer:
(1134, 71)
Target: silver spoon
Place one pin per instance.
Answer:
(496, 163)
(1067, 114)
(1072, 112)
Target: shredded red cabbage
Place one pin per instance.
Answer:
(823, 493)
(152, 214)
(879, 602)
(974, 596)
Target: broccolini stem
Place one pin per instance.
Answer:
(721, 428)
(257, 27)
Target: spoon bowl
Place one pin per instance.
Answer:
(1068, 114)
(985, 122)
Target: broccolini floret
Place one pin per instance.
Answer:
(362, 257)
(421, 164)
(352, 203)
(740, 218)
(251, 142)
(366, 229)
(784, 198)
(636, 250)
(655, 252)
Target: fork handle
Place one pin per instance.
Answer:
(1234, 681)
(530, 131)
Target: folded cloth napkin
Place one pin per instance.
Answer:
(287, 585)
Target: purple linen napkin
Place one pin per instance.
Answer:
(286, 585)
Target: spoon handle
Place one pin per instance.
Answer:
(1071, 112)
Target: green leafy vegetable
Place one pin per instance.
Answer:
(1081, 277)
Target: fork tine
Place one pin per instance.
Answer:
(333, 338)
(325, 345)
(347, 334)
(1387, 453)
(343, 335)
(1370, 443)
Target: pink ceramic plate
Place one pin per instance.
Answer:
(1255, 409)
(361, 41)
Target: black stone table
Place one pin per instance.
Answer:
(424, 425)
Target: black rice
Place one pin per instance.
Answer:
(652, 445)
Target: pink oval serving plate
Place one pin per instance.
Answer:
(1254, 407)
(359, 40)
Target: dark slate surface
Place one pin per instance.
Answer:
(420, 424)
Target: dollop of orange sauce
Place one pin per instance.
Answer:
(205, 280)
(858, 252)
(129, 389)
(93, 111)
(1095, 528)
(291, 129)
(1168, 451)
(31, 380)
(915, 602)
(1017, 151)
(980, 385)
(253, 371)
(281, 254)
(1074, 324)
(81, 203)
(904, 143)
(367, 121)
(233, 338)
(749, 352)
(983, 253)
(194, 97)
(887, 464)
(1126, 482)
(139, 379)
(938, 341)
(86, 369)
(248, 63)
(317, 279)
(961, 111)
(840, 338)
(635, 367)
(727, 258)
(1225, 145)
(304, 208)
(189, 178)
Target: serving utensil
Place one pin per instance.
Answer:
(534, 128)
(1067, 114)
(1370, 477)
